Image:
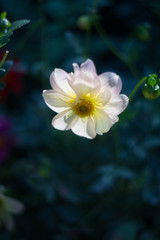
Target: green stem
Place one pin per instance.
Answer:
(4, 58)
(136, 88)
(115, 51)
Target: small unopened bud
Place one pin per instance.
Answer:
(4, 22)
(151, 88)
(85, 22)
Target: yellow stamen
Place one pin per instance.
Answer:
(84, 107)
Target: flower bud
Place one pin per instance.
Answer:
(151, 88)
(85, 22)
(4, 23)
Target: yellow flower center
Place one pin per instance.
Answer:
(84, 107)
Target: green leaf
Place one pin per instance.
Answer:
(5, 68)
(5, 39)
(17, 24)
(3, 15)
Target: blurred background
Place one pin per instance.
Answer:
(73, 188)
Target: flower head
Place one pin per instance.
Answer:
(86, 103)
(8, 206)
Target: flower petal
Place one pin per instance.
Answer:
(88, 68)
(83, 85)
(91, 128)
(113, 118)
(58, 102)
(76, 69)
(83, 88)
(89, 75)
(84, 127)
(103, 122)
(117, 104)
(111, 79)
(103, 97)
(64, 120)
(59, 82)
(85, 80)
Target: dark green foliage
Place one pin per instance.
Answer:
(4, 39)
(3, 71)
(4, 23)
(5, 68)
(74, 188)
(6, 30)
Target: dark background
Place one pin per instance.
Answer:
(73, 188)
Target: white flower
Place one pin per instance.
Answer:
(86, 103)
(9, 206)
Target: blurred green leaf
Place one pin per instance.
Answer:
(109, 173)
(2, 69)
(5, 68)
(3, 15)
(5, 39)
(17, 24)
(14, 26)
